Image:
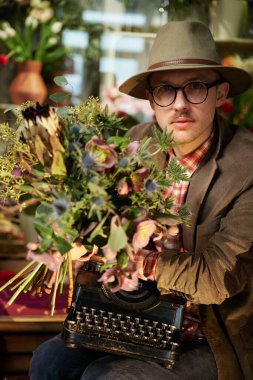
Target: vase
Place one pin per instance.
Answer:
(28, 83)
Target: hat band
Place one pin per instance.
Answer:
(183, 62)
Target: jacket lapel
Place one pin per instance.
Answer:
(199, 186)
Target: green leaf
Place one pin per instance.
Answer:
(10, 108)
(45, 244)
(117, 239)
(42, 229)
(119, 141)
(62, 112)
(58, 166)
(62, 245)
(96, 189)
(60, 81)
(122, 259)
(43, 210)
(58, 97)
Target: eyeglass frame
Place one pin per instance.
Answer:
(177, 88)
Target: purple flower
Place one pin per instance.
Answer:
(16, 172)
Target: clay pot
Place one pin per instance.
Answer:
(28, 83)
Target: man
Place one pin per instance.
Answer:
(210, 263)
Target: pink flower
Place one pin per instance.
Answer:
(132, 148)
(109, 254)
(122, 187)
(52, 261)
(138, 178)
(102, 155)
(118, 278)
(143, 234)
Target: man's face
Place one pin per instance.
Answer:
(191, 124)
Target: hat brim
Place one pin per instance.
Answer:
(238, 79)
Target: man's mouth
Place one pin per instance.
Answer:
(181, 121)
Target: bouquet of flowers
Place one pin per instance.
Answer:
(36, 37)
(93, 191)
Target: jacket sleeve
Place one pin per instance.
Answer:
(223, 267)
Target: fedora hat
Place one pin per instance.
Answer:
(183, 45)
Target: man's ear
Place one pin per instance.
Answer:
(150, 99)
(222, 93)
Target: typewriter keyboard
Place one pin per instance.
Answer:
(119, 326)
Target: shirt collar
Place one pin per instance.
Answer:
(192, 160)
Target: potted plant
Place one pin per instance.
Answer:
(32, 40)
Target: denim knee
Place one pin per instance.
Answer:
(52, 360)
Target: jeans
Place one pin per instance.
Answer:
(52, 360)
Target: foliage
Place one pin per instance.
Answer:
(93, 189)
(239, 110)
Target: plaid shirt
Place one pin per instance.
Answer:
(146, 260)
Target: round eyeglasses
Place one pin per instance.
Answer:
(194, 92)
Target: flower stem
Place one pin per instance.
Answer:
(65, 268)
(17, 275)
(56, 283)
(23, 285)
(70, 275)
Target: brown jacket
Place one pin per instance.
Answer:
(218, 249)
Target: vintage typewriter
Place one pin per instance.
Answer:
(140, 324)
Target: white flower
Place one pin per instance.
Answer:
(40, 4)
(52, 41)
(10, 32)
(42, 15)
(3, 35)
(31, 22)
(56, 27)
(6, 25)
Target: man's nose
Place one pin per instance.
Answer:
(180, 101)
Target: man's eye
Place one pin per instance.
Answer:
(166, 89)
(196, 86)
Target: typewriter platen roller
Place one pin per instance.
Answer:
(140, 324)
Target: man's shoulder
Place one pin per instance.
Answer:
(139, 131)
(237, 154)
(242, 141)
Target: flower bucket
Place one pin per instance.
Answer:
(28, 83)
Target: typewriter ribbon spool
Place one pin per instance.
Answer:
(140, 324)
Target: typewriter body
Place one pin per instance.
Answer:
(139, 324)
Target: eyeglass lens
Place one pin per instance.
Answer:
(194, 92)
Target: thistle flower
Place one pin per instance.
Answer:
(150, 186)
(60, 205)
